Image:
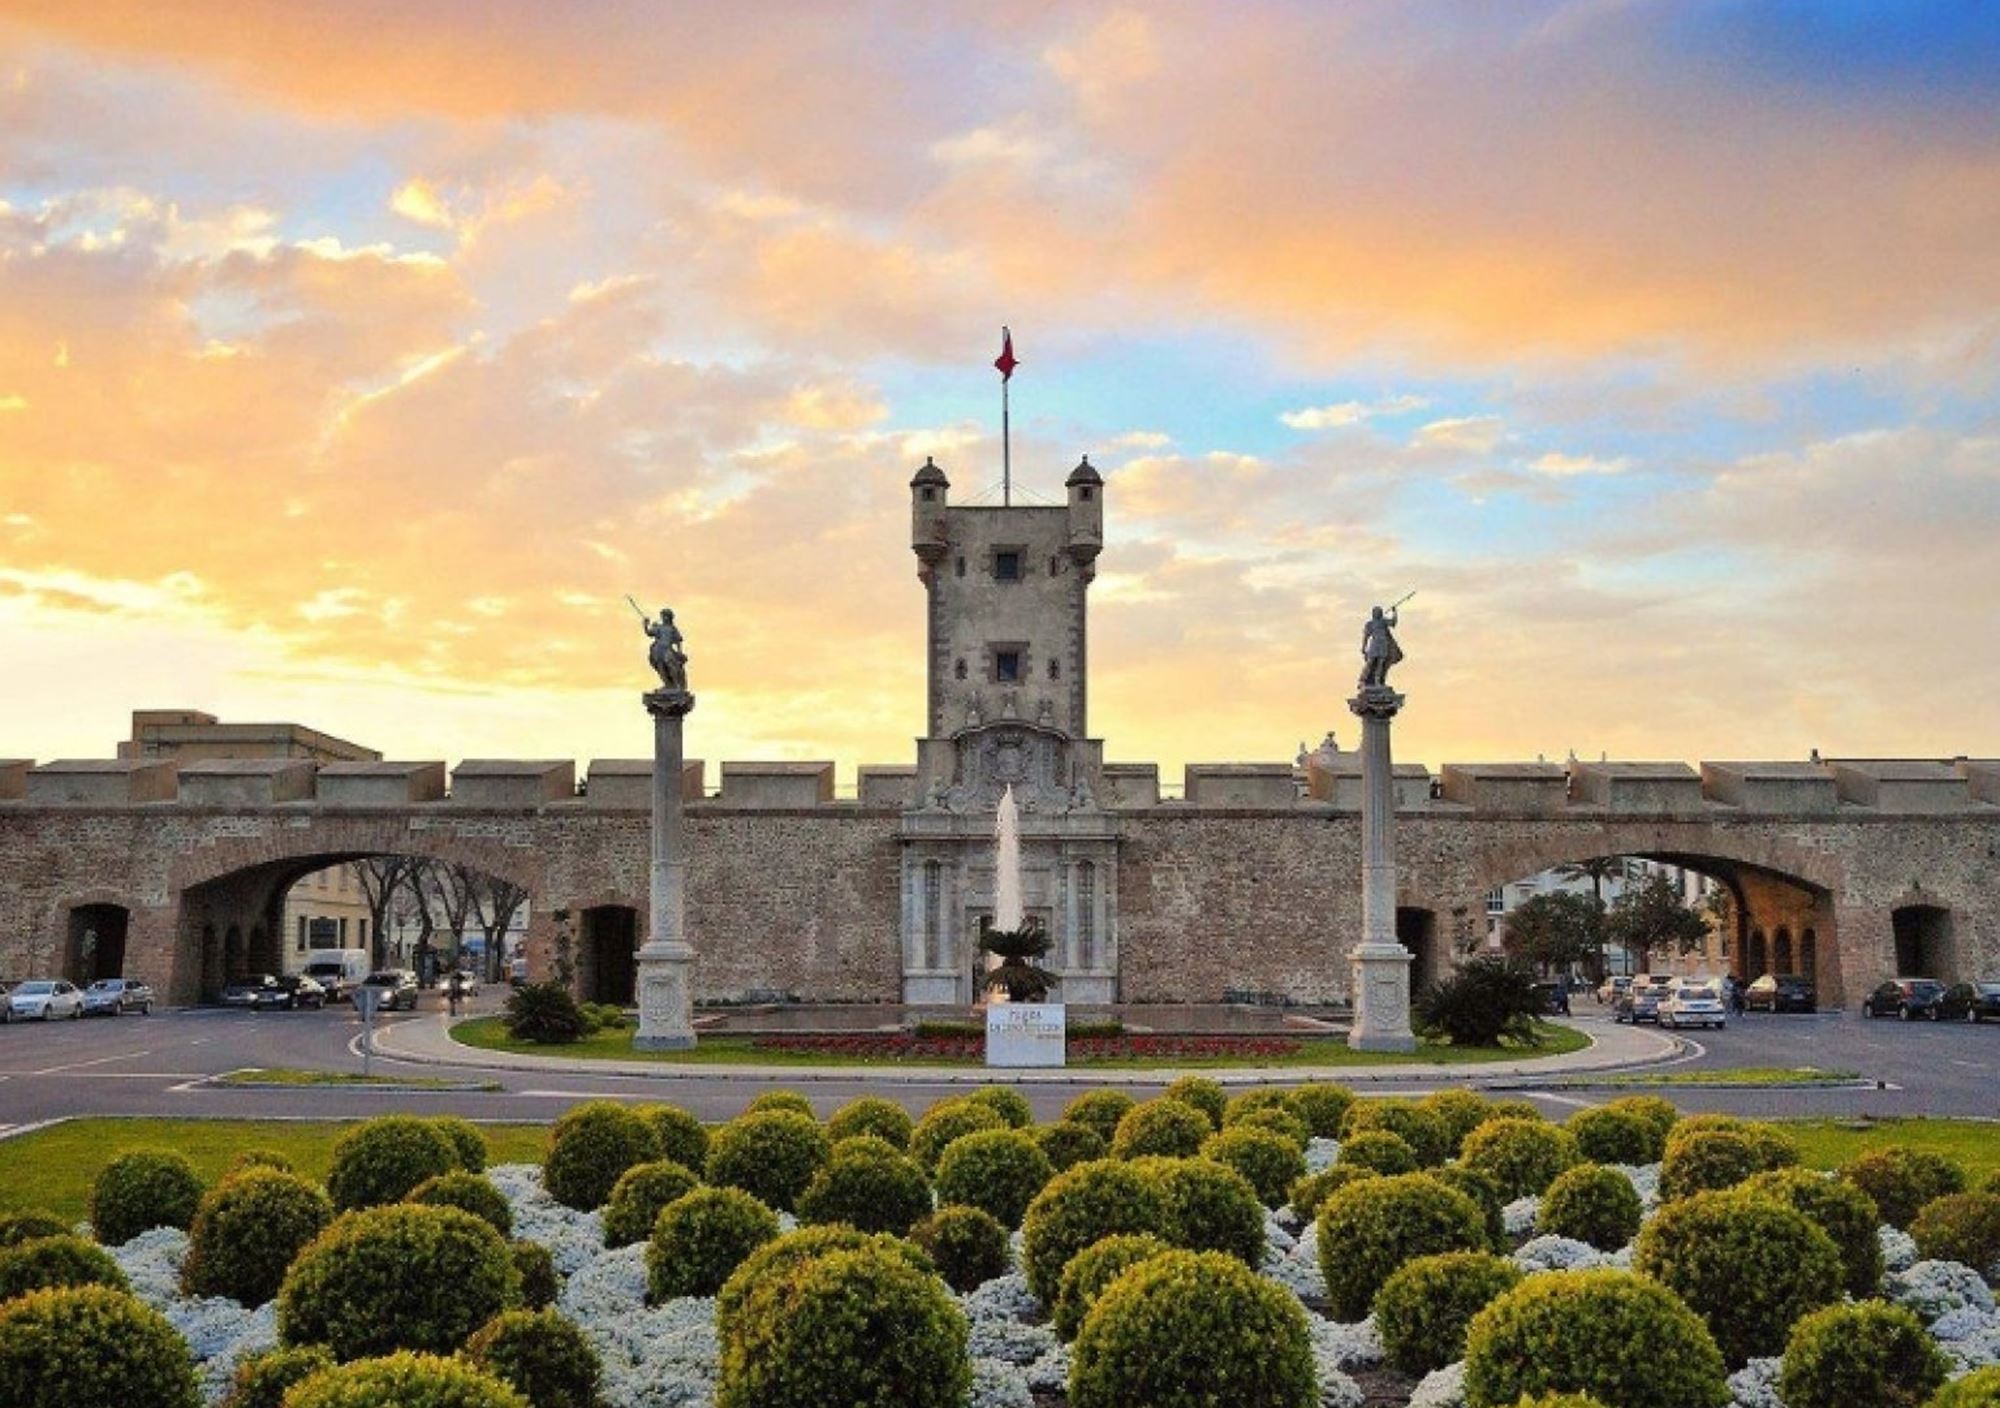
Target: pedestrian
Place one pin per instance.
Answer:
(454, 991)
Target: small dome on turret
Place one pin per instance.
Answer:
(1084, 473)
(930, 474)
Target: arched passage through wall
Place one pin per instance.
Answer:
(607, 967)
(95, 946)
(1924, 942)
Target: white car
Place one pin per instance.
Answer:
(44, 998)
(1694, 1007)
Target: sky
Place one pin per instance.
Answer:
(356, 360)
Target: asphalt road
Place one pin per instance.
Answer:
(151, 1065)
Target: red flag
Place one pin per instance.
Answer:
(1005, 361)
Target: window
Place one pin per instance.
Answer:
(1007, 565)
(302, 933)
(1087, 493)
(960, 569)
(1007, 666)
(1055, 668)
(959, 669)
(930, 494)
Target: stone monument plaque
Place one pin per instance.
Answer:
(1026, 1034)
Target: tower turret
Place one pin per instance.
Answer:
(929, 534)
(1086, 516)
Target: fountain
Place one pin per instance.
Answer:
(1022, 1027)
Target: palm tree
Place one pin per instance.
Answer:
(1597, 870)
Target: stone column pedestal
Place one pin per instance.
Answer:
(665, 962)
(1381, 963)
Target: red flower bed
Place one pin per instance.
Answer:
(905, 1046)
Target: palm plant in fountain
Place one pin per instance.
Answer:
(1018, 976)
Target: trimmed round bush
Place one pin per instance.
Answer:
(999, 1170)
(704, 1236)
(84, 1346)
(405, 1381)
(871, 1114)
(1268, 1098)
(48, 1262)
(1522, 1157)
(1561, 1400)
(1099, 1110)
(1980, 1389)
(1417, 1127)
(468, 1192)
(1622, 1339)
(465, 1139)
(140, 1190)
(1369, 1229)
(258, 1158)
(1842, 1211)
(1658, 1111)
(1066, 1144)
(1322, 1106)
(772, 1156)
(779, 1258)
(536, 1266)
(1459, 1110)
(1378, 1151)
(1902, 1180)
(868, 1185)
(1204, 1094)
(1962, 1227)
(19, 1227)
(247, 1230)
(954, 1119)
(1281, 1122)
(1010, 1104)
(397, 1277)
(1094, 1268)
(1750, 1267)
(1867, 1352)
(1770, 1146)
(781, 1100)
(1191, 1329)
(1210, 1207)
(968, 1246)
(1515, 1107)
(590, 1148)
(380, 1160)
(261, 1380)
(543, 1355)
(851, 1327)
(1423, 1308)
(1171, 1129)
(637, 1197)
(1271, 1162)
(1707, 1161)
(1309, 1193)
(1591, 1203)
(1077, 1208)
(683, 1138)
(1483, 1191)
(1607, 1136)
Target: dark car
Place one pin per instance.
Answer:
(113, 997)
(302, 991)
(1781, 992)
(258, 991)
(1970, 1002)
(1640, 1004)
(1907, 999)
(395, 987)
(1555, 997)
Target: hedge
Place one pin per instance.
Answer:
(590, 1148)
(703, 1237)
(1423, 1308)
(1204, 1094)
(1607, 1136)
(1099, 1110)
(140, 1190)
(771, 1156)
(1522, 1157)
(49, 1262)
(637, 1197)
(543, 1355)
(868, 1185)
(1901, 1180)
(771, 1263)
(1006, 1102)
(1369, 1229)
(246, 1232)
(380, 1160)
(1094, 1268)
(871, 1114)
(405, 1381)
(1416, 1126)
(1591, 1203)
(468, 1192)
(1271, 1162)
(1864, 1353)
(954, 1119)
(1077, 1208)
(72, 1346)
(1170, 1128)
(261, 1380)
(1067, 1144)
(1210, 1207)
(1962, 1227)
(999, 1170)
(968, 1246)
(683, 1138)
(1843, 1212)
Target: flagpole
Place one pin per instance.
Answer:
(1006, 451)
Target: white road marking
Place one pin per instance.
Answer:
(1559, 1099)
(100, 1061)
(586, 1094)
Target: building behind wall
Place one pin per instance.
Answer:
(190, 736)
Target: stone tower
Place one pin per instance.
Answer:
(1006, 704)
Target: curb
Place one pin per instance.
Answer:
(386, 1087)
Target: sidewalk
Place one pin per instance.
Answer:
(427, 1041)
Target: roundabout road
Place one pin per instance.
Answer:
(152, 1065)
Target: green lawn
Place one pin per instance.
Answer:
(1735, 1075)
(293, 1075)
(53, 1169)
(1974, 1145)
(487, 1034)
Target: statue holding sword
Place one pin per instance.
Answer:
(667, 655)
(1379, 650)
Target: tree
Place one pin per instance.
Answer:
(1651, 915)
(495, 902)
(1555, 930)
(1597, 870)
(380, 877)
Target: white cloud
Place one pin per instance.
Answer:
(1561, 466)
(1345, 413)
(1142, 440)
(1474, 434)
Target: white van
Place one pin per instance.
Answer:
(338, 970)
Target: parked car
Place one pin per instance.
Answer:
(44, 998)
(1694, 1005)
(339, 971)
(1907, 999)
(1781, 992)
(1982, 1002)
(257, 992)
(302, 990)
(397, 987)
(1555, 997)
(112, 997)
(1613, 988)
(1641, 1003)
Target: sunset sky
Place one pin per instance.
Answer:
(356, 358)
